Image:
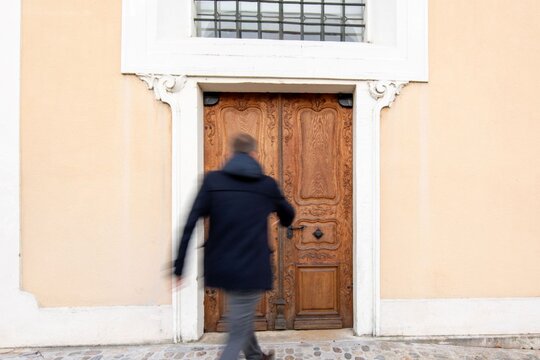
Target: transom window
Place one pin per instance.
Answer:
(315, 20)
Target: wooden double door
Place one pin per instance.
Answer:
(305, 143)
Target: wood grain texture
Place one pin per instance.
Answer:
(317, 151)
(305, 143)
(317, 165)
(312, 301)
(257, 115)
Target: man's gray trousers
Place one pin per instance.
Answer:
(240, 317)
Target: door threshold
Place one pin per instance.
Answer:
(287, 336)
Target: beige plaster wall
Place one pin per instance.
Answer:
(95, 163)
(461, 159)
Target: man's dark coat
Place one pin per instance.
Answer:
(237, 200)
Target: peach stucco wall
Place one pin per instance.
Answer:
(95, 163)
(461, 159)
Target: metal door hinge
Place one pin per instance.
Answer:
(210, 99)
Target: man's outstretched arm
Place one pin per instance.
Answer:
(200, 208)
(284, 209)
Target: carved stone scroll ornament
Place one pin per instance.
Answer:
(385, 91)
(164, 86)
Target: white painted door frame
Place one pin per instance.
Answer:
(184, 95)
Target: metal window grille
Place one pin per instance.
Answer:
(316, 20)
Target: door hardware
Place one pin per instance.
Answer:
(345, 100)
(291, 228)
(210, 98)
(318, 233)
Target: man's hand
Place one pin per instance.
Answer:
(176, 282)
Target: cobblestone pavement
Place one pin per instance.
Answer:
(315, 350)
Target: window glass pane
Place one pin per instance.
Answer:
(313, 10)
(311, 20)
(291, 10)
(295, 36)
(248, 7)
(270, 8)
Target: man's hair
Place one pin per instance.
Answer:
(243, 143)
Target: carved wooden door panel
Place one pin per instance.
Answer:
(257, 115)
(317, 180)
(305, 143)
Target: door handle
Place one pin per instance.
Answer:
(291, 228)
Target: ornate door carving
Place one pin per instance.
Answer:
(305, 143)
(317, 173)
(256, 115)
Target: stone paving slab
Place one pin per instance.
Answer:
(321, 350)
(526, 342)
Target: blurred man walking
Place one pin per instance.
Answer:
(238, 200)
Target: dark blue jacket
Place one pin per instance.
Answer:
(237, 200)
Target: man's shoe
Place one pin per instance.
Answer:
(270, 356)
